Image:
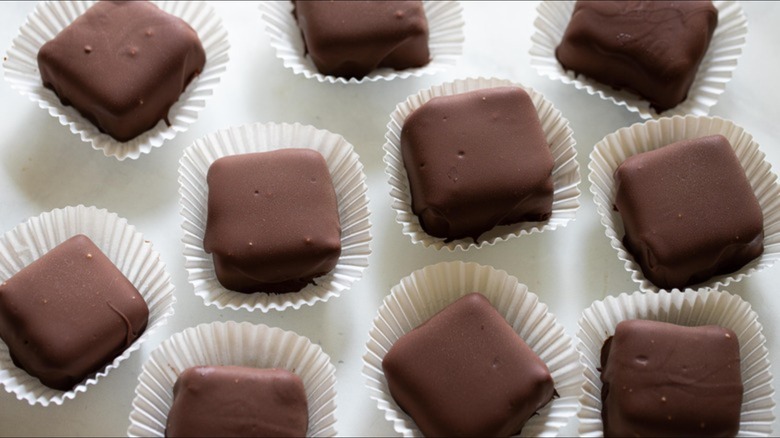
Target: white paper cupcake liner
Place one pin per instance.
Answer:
(231, 343)
(713, 74)
(690, 308)
(566, 173)
(351, 193)
(425, 292)
(613, 149)
(445, 42)
(122, 244)
(49, 18)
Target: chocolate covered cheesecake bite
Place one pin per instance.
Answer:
(661, 379)
(651, 48)
(476, 160)
(273, 221)
(69, 313)
(688, 211)
(122, 65)
(352, 38)
(238, 401)
(466, 372)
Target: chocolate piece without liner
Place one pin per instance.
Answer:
(122, 65)
(238, 402)
(352, 38)
(69, 313)
(652, 48)
(465, 372)
(661, 379)
(688, 211)
(477, 160)
(273, 221)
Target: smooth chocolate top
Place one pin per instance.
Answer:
(476, 160)
(662, 379)
(221, 401)
(652, 48)
(69, 313)
(465, 372)
(352, 38)
(688, 211)
(122, 65)
(273, 221)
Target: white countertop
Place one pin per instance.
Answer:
(43, 166)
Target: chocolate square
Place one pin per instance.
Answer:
(476, 160)
(238, 401)
(465, 372)
(652, 48)
(273, 221)
(662, 379)
(122, 65)
(688, 211)
(69, 313)
(353, 38)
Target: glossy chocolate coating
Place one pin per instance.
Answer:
(688, 211)
(122, 65)
(353, 38)
(652, 48)
(476, 160)
(661, 379)
(221, 401)
(69, 313)
(465, 372)
(273, 222)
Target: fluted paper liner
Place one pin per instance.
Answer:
(425, 292)
(445, 42)
(351, 193)
(613, 149)
(566, 173)
(713, 74)
(239, 344)
(689, 308)
(49, 18)
(122, 244)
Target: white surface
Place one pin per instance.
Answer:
(44, 166)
